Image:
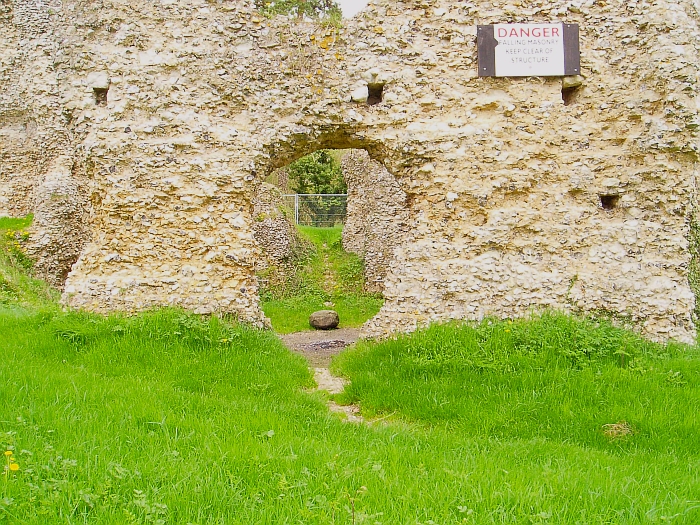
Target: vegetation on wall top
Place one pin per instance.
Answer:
(300, 8)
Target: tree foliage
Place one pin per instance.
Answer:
(318, 172)
(300, 8)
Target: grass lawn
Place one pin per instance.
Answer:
(292, 314)
(170, 418)
(16, 287)
(166, 418)
(555, 391)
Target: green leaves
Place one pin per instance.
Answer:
(316, 176)
(318, 172)
(300, 8)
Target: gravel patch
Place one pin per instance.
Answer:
(319, 346)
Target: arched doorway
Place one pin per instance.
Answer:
(315, 266)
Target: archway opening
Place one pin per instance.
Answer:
(327, 224)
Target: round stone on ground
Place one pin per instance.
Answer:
(324, 319)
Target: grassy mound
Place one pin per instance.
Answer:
(553, 377)
(171, 418)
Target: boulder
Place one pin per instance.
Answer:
(324, 319)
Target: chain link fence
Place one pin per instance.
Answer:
(322, 210)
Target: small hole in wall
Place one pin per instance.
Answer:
(100, 96)
(569, 95)
(609, 202)
(376, 92)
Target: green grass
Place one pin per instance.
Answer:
(9, 223)
(320, 236)
(556, 382)
(327, 275)
(552, 377)
(292, 314)
(17, 288)
(694, 265)
(169, 418)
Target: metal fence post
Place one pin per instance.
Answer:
(310, 210)
(296, 208)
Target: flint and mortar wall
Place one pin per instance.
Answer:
(31, 124)
(273, 231)
(377, 218)
(502, 179)
(58, 230)
(37, 157)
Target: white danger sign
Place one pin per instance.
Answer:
(529, 50)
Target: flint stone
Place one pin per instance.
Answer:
(361, 94)
(573, 81)
(98, 80)
(324, 319)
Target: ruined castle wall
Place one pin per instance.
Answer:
(282, 248)
(503, 180)
(59, 228)
(31, 128)
(19, 152)
(171, 197)
(273, 231)
(377, 216)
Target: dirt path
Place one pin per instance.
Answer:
(318, 347)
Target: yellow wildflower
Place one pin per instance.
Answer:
(14, 467)
(8, 452)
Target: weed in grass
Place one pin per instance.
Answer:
(619, 430)
(10, 464)
(8, 293)
(675, 378)
(14, 240)
(351, 274)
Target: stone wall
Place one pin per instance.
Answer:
(58, 231)
(283, 250)
(377, 217)
(503, 180)
(32, 124)
(275, 234)
(36, 154)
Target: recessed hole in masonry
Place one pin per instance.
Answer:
(609, 202)
(100, 96)
(569, 95)
(376, 92)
